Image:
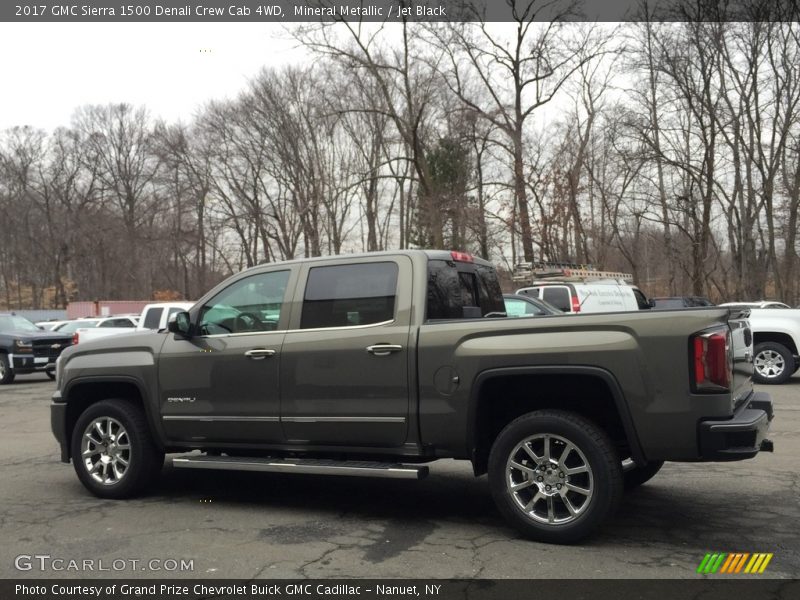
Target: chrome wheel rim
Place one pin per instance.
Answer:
(769, 364)
(106, 450)
(549, 479)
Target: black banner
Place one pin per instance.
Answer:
(397, 10)
(397, 589)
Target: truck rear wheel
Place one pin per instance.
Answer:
(772, 363)
(112, 450)
(554, 475)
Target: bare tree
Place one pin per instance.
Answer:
(119, 140)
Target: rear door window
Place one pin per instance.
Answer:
(153, 318)
(349, 295)
(558, 296)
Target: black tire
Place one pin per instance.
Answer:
(639, 475)
(6, 373)
(773, 363)
(144, 458)
(595, 450)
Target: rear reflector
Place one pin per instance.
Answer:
(712, 361)
(461, 257)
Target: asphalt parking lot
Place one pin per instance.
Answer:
(279, 526)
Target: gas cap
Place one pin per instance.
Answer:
(446, 381)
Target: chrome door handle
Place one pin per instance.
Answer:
(259, 353)
(383, 349)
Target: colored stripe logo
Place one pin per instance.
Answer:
(734, 562)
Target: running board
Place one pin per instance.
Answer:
(304, 465)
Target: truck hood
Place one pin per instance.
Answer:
(44, 336)
(135, 339)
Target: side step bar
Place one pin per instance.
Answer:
(304, 465)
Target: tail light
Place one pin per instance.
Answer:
(712, 361)
(461, 257)
(75, 338)
(576, 304)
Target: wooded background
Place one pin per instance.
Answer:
(668, 150)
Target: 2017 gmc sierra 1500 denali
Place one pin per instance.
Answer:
(376, 364)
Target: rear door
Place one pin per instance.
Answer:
(345, 361)
(559, 296)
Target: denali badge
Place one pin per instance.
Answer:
(181, 399)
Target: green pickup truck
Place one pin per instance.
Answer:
(375, 364)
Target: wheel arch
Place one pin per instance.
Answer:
(86, 391)
(776, 337)
(546, 387)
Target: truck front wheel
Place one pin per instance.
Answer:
(6, 372)
(772, 363)
(112, 450)
(554, 475)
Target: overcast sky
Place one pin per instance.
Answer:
(49, 69)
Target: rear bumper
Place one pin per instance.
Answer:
(740, 437)
(58, 423)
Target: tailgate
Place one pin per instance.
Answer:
(742, 350)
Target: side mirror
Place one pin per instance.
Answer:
(651, 303)
(180, 323)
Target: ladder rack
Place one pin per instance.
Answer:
(530, 272)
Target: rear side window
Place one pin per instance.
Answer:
(557, 296)
(453, 286)
(349, 295)
(153, 318)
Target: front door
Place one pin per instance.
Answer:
(345, 362)
(222, 384)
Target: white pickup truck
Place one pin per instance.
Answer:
(776, 339)
(154, 317)
(106, 327)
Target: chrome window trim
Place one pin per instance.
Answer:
(286, 419)
(220, 418)
(284, 331)
(344, 419)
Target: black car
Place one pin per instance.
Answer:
(518, 305)
(25, 348)
(680, 302)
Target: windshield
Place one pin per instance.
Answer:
(9, 323)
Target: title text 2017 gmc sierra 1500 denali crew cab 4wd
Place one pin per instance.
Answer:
(376, 364)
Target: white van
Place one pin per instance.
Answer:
(576, 290)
